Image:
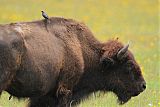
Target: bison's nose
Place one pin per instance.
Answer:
(143, 86)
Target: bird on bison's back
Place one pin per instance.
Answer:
(45, 15)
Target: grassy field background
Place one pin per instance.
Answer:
(130, 20)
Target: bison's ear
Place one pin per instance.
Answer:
(106, 62)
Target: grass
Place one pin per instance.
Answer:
(133, 21)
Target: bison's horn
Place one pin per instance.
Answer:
(122, 52)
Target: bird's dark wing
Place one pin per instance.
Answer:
(45, 15)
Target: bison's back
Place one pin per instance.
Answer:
(50, 48)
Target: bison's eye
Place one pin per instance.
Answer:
(130, 69)
(129, 66)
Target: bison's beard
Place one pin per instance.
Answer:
(123, 96)
(122, 99)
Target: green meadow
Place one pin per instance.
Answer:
(132, 21)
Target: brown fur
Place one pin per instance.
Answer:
(64, 63)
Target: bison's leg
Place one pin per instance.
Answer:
(71, 71)
(65, 86)
(63, 95)
(44, 101)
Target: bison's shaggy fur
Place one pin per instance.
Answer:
(61, 62)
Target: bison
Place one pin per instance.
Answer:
(58, 63)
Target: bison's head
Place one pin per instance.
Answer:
(122, 74)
